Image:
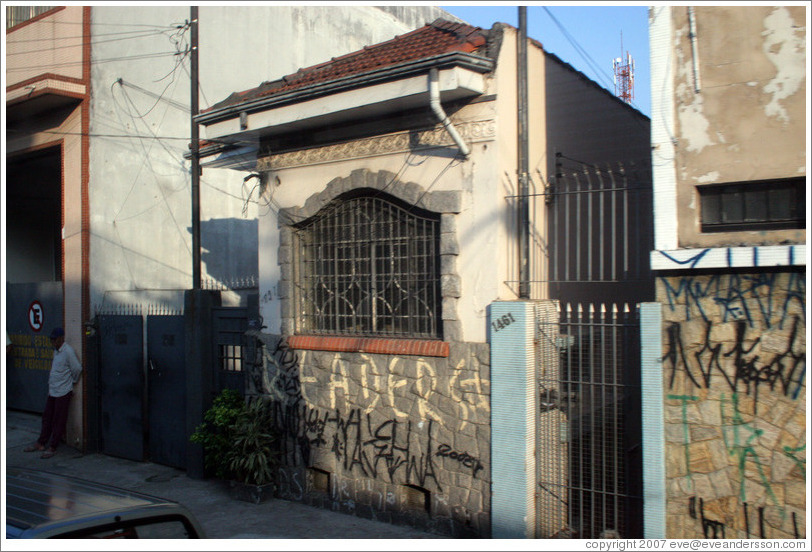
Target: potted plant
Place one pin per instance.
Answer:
(240, 445)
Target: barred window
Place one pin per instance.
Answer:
(368, 265)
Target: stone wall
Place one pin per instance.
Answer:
(400, 439)
(735, 407)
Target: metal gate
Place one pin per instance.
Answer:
(142, 404)
(589, 424)
(229, 327)
(591, 256)
(32, 311)
(166, 389)
(121, 386)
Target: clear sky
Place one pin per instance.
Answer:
(588, 37)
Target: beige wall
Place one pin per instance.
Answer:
(748, 119)
(54, 47)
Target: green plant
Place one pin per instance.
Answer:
(253, 455)
(238, 439)
(216, 433)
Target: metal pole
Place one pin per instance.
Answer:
(524, 189)
(195, 154)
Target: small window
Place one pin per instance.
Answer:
(20, 14)
(763, 205)
(368, 265)
(231, 358)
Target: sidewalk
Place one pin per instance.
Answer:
(221, 516)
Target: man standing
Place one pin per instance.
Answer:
(65, 371)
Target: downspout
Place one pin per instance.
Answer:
(523, 157)
(694, 54)
(434, 102)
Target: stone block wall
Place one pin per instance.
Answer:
(399, 439)
(735, 404)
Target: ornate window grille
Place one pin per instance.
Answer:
(368, 265)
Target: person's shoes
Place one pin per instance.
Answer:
(36, 447)
(48, 454)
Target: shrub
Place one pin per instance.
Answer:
(218, 432)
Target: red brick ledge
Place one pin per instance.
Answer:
(375, 345)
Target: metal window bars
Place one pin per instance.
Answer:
(368, 266)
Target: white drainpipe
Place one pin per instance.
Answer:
(434, 95)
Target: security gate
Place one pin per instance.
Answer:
(229, 325)
(121, 386)
(143, 398)
(166, 385)
(589, 468)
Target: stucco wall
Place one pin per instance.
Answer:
(734, 370)
(739, 107)
(140, 185)
(376, 426)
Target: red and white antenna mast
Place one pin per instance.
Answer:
(624, 75)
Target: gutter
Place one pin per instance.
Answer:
(437, 108)
(467, 61)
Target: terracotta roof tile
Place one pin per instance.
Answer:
(438, 37)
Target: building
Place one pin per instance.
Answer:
(390, 180)
(97, 118)
(729, 146)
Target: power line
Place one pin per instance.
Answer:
(94, 62)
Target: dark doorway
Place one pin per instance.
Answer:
(34, 217)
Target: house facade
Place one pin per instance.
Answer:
(729, 133)
(97, 115)
(388, 177)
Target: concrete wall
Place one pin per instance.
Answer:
(739, 107)
(734, 370)
(140, 186)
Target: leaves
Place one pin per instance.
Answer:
(238, 439)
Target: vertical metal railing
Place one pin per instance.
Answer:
(594, 392)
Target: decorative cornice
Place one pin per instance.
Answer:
(475, 131)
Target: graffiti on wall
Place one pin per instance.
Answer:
(734, 365)
(739, 365)
(344, 416)
(756, 298)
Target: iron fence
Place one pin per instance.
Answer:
(589, 424)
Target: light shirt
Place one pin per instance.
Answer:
(65, 370)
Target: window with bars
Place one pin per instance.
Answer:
(20, 14)
(368, 265)
(764, 205)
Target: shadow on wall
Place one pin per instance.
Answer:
(230, 248)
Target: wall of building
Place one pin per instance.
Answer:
(140, 184)
(739, 100)
(45, 56)
(734, 370)
(399, 439)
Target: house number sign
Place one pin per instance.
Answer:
(503, 322)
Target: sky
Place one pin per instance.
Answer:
(588, 37)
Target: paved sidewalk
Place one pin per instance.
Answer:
(221, 516)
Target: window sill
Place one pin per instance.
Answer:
(373, 345)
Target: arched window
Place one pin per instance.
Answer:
(368, 265)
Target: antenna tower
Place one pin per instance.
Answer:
(624, 75)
